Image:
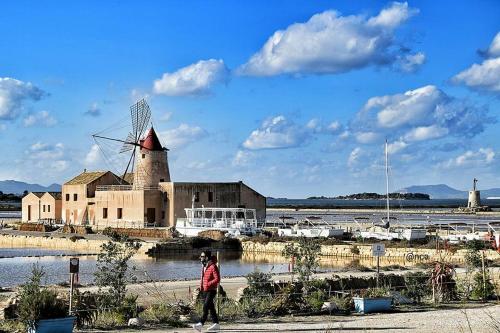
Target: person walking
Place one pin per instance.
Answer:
(210, 279)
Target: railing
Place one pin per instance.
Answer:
(124, 187)
(217, 223)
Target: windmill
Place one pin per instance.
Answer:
(140, 114)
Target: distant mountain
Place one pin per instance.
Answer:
(440, 191)
(14, 186)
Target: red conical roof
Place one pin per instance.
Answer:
(151, 141)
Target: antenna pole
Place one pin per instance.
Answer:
(387, 180)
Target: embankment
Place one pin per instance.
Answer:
(355, 251)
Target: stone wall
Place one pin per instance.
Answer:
(60, 243)
(410, 255)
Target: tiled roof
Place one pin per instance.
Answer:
(56, 195)
(86, 177)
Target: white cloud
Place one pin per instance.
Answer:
(484, 76)
(421, 114)
(411, 62)
(334, 127)
(45, 151)
(367, 137)
(182, 136)
(494, 49)
(242, 158)
(276, 132)
(354, 157)
(331, 43)
(13, 94)
(423, 133)
(41, 118)
(94, 110)
(481, 157)
(394, 147)
(195, 79)
(93, 156)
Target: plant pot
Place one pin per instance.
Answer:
(58, 325)
(369, 305)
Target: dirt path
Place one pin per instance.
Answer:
(476, 319)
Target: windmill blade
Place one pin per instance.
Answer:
(140, 113)
(129, 143)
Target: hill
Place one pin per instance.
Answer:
(440, 191)
(17, 187)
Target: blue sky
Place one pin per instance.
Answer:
(295, 98)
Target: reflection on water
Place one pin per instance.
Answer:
(176, 266)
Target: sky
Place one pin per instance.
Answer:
(295, 98)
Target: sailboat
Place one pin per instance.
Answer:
(385, 231)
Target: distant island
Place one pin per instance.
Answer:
(376, 196)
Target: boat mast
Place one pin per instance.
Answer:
(387, 180)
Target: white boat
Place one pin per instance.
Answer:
(232, 221)
(384, 231)
(310, 230)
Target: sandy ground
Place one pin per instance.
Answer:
(478, 318)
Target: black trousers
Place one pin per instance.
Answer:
(208, 305)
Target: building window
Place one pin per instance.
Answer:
(44, 208)
(119, 213)
(210, 196)
(67, 196)
(162, 214)
(48, 208)
(162, 180)
(75, 197)
(143, 155)
(196, 196)
(104, 213)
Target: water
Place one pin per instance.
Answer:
(16, 266)
(436, 203)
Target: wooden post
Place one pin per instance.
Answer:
(378, 270)
(71, 287)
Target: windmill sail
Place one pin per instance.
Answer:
(140, 113)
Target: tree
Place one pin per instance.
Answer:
(305, 255)
(112, 275)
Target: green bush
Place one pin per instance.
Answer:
(482, 288)
(162, 314)
(37, 303)
(315, 300)
(417, 285)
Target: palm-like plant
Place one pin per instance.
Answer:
(443, 282)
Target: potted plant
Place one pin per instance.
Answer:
(373, 300)
(40, 310)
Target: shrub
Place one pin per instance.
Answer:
(287, 300)
(315, 299)
(74, 238)
(85, 307)
(37, 303)
(306, 255)
(355, 250)
(343, 303)
(482, 288)
(443, 282)
(259, 283)
(115, 235)
(417, 285)
(162, 314)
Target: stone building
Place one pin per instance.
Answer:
(148, 197)
(41, 206)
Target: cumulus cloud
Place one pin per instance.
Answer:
(44, 151)
(182, 136)
(422, 114)
(411, 62)
(481, 157)
(94, 110)
(394, 147)
(42, 118)
(277, 132)
(486, 75)
(93, 156)
(331, 43)
(13, 95)
(367, 137)
(193, 80)
(354, 157)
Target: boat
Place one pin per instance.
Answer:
(233, 222)
(307, 228)
(383, 230)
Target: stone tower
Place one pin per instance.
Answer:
(474, 197)
(151, 164)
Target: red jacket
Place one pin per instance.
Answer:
(210, 276)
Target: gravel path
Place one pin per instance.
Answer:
(481, 318)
